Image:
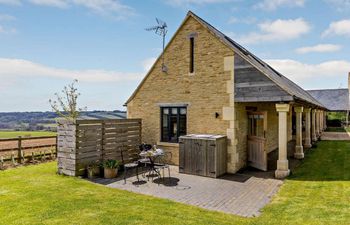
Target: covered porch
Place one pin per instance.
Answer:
(278, 113)
(271, 134)
(308, 126)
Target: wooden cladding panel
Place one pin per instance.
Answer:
(251, 85)
(92, 140)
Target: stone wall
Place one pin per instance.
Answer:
(205, 91)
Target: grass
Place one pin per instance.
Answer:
(336, 116)
(335, 129)
(13, 134)
(338, 129)
(318, 192)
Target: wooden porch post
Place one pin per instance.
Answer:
(321, 121)
(299, 151)
(307, 143)
(282, 162)
(313, 128)
(317, 123)
(325, 120)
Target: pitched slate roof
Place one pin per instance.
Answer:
(283, 82)
(333, 99)
(287, 85)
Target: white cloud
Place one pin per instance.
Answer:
(270, 5)
(6, 17)
(148, 63)
(11, 2)
(53, 3)
(110, 8)
(4, 30)
(319, 48)
(301, 72)
(340, 5)
(194, 2)
(12, 68)
(341, 27)
(278, 30)
(247, 20)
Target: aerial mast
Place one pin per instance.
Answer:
(161, 30)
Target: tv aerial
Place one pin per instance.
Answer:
(161, 30)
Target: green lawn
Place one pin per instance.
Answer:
(318, 192)
(13, 134)
(335, 129)
(338, 129)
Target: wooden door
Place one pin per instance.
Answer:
(182, 150)
(199, 157)
(257, 126)
(211, 159)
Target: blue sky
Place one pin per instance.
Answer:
(45, 44)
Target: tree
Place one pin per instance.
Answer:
(65, 105)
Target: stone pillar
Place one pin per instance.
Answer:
(321, 121)
(313, 127)
(317, 123)
(228, 112)
(282, 162)
(307, 143)
(299, 151)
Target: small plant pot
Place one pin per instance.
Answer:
(110, 173)
(93, 172)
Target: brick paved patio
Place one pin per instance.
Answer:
(240, 194)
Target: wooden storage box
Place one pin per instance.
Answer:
(203, 154)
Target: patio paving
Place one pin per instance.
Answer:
(242, 194)
(335, 136)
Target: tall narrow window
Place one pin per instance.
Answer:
(191, 54)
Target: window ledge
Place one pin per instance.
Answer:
(168, 144)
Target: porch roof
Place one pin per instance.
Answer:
(333, 99)
(295, 91)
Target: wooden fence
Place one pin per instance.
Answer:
(86, 141)
(21, 148)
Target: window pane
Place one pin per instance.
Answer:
(173, 128)
(182, 125)
(165, 111)
(165, 133)
(191, 55)
(260, 128)
(183, 111)
(174, 111)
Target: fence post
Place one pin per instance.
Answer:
(1, 162)
(19, 157)
(102, 139)
(56, 145)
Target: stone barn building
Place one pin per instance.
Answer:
(213, 85)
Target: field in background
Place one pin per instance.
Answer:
(14, 134)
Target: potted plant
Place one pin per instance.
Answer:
(110, 168)
(93, 169)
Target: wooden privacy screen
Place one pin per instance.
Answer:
(86, 141)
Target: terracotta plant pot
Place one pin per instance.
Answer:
(110, 173)
(93, 172)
